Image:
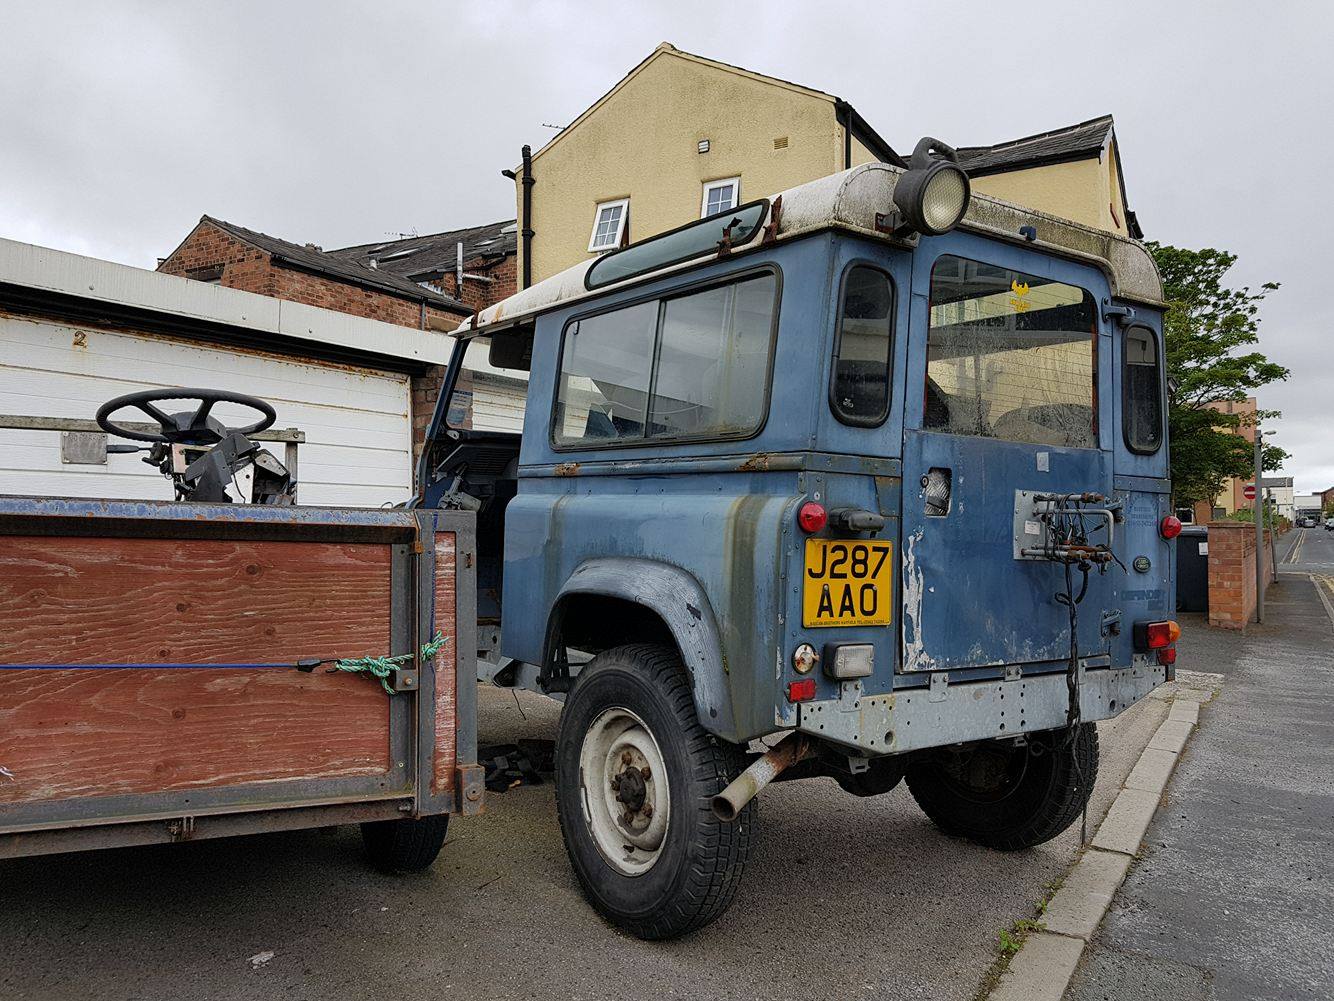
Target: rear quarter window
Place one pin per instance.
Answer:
(1141, 391)
(863, 348)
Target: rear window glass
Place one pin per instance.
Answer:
(1142, 398)
(694, 366)
(1010, 356)
(864, 347)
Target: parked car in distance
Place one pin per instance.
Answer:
(1329, 524)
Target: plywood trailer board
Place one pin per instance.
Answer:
(87, 588)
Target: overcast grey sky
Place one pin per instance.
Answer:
(338, 122)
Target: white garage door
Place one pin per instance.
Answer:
(357, 424)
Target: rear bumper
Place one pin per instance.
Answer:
(943, 713)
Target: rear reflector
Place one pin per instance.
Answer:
(812, 517)
(1168, 655)
(1170, 527)
(801, 691)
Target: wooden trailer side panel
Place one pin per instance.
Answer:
(446, 673)
(88, 733)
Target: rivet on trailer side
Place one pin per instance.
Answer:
(867, 480)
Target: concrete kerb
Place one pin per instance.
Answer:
(1044, 964)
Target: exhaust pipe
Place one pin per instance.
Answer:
(729, 803)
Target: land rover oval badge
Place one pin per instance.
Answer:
(1142, 564)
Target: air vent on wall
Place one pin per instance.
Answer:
(780, 142)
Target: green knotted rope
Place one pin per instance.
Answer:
(383, 667)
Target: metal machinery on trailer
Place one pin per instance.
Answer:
(866, 480)
(165, 667)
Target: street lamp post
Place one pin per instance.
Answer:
(1258, 506)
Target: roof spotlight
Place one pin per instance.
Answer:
(933, 194)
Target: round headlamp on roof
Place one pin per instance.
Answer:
(933, 194)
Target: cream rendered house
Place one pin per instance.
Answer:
(683, 136)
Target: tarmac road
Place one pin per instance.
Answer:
(1307, 550)
(845, 898)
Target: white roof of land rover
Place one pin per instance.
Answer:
(849, 201)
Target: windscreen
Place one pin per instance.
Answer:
(1010, 356)
(490, 396)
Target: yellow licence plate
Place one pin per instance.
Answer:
(847, 583)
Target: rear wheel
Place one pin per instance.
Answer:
(405, 845)
(1009, 797)
(635, 776)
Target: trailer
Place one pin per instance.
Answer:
(180, 670)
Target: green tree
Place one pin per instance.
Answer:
(1210, 332)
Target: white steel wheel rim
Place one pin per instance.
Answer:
(624, 789)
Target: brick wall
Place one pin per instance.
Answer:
(477, 294)
(1232, 573)
(244, 267)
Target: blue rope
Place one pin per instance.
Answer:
(380, 668)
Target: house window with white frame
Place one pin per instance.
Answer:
(720, 196)
(609, 225)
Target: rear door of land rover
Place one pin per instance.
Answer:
(1002, 394)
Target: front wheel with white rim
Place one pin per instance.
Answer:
(635, 776)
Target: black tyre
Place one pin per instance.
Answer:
(881, 776)
(1009, 797)
(405, 845)
(635, 776)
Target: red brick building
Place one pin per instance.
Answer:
(236, 257)
(475, 266)
(413, 282)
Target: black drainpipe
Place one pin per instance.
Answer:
(526, 215)
(527, 221)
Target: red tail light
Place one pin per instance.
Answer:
(812, 517)
(801, 691)
(1158, 635)
(1170, 527)
(1168, 655)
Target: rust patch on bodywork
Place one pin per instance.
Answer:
(758, 462)
(567, 469)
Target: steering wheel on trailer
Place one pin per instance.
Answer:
(189, 427)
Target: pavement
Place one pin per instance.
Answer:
(845, 898)
(1233, 896)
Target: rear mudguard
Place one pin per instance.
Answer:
(677, 598)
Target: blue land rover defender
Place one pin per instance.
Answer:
(865, 480)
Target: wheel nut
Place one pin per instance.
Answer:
(644, 772)
(648, 811)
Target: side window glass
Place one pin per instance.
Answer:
(864, 348)
(696, 366)
(1142, 410)
(713, 361)
(604, 382)
(1010, 356)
